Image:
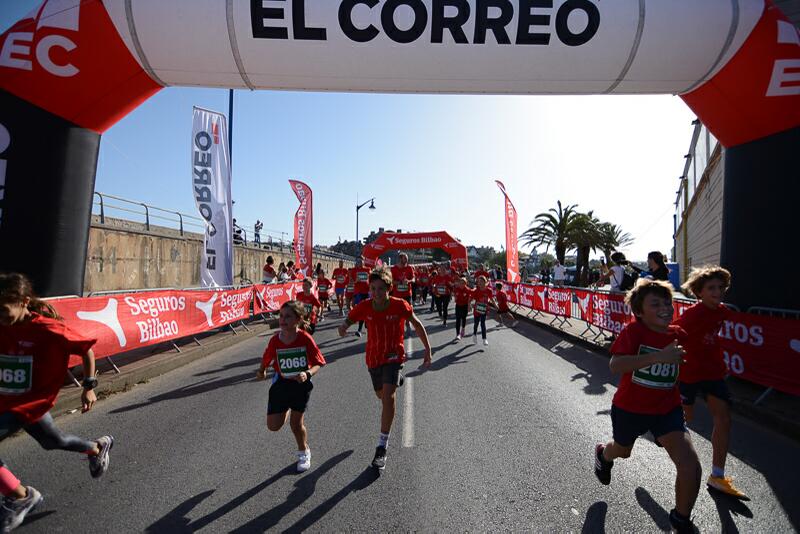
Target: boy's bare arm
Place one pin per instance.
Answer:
(672, 353)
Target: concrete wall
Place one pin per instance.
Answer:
(125, 255)
(698, 240)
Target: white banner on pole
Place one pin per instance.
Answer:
(211, 188)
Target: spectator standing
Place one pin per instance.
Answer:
(559, 274)
(257, 232)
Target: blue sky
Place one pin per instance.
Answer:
(429, 161)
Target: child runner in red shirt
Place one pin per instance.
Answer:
(483, 297)
(403, 277)
(503, 311)
(462, 296)
(386, 318)
(311, 304)
(442, 288)
(295, 358)
(360, 275)
(323, 292)
(648, 353)
(35, 347)
(705, 369)
(340, 278)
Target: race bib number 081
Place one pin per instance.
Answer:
(292, 362)
(16, 374)
(658, 375)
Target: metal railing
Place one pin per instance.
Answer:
(268, 239)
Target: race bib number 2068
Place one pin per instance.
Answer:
(16, 374)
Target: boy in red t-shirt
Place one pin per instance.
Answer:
(323, 293)
(503, 311)
(311, 304)
(295, 358)
(386, 319)
(442, 284)
(705, 369)
(403, 277)
(340, 279)
(648, 354)
(359, 276)
(483, 297)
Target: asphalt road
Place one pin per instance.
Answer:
(491, 438)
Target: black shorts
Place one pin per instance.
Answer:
(286, 394)
(389, 373)
(627, 426)
(717, 388)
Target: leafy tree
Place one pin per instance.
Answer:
(584, 236)
(612, 238)
(551, 228)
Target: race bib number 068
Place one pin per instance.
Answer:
(292, 362)
(656, 376)
(16, 374)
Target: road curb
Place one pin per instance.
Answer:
(743, 404)
(69, 400)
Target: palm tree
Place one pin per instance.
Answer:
(551, 228)
(584, 236)
(612, 238)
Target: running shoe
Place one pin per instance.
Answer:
(14, 510)
(457, 339)
(358, 334)
(725, 485)
(379, 461)
(401, 379)
(602, 468)
(485, 342)
(474, 339)
(303, 461)
(98, 465)
(681, 525)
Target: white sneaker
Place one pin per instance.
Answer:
(485, 342)
(457, 339)
(14, 511)
(474, 339)
(303, 460)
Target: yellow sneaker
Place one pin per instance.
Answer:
(725, 485)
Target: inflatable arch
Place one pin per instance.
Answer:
(393, 241)
(72, 68)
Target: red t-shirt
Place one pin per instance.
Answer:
(704, 359)
(290, 359)
(385, 330)
(269, 273)
(361, 277)
(340, 277)
(309, 301)
(402, 277)
(33, 363)
(502, 301)
(481, 298)
(462, 295)
(441, 285)
(323, 286)
(652, 390)
(423, 278)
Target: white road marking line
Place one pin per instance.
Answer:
(408, 403)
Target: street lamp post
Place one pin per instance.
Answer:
(358, 207)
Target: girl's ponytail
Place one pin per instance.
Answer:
(15, 287)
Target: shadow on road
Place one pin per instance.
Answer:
(251, 363)
(304, 488)
(653, 509)
(362, 481)
(595, 522)
(727, 507)
(445, 361)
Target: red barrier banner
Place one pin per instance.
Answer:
(129, 321)
(610, 312)
(270, 297)
(764, 350)
(680, 307)
(525, 295)
(558, 301)
(585, 304)
(511, 291)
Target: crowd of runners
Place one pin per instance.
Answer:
(664, 365)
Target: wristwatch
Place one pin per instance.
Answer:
(89, 383)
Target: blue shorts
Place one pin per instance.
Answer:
(340, 290)
(358, 297)
(627, 426)
(717, 388)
